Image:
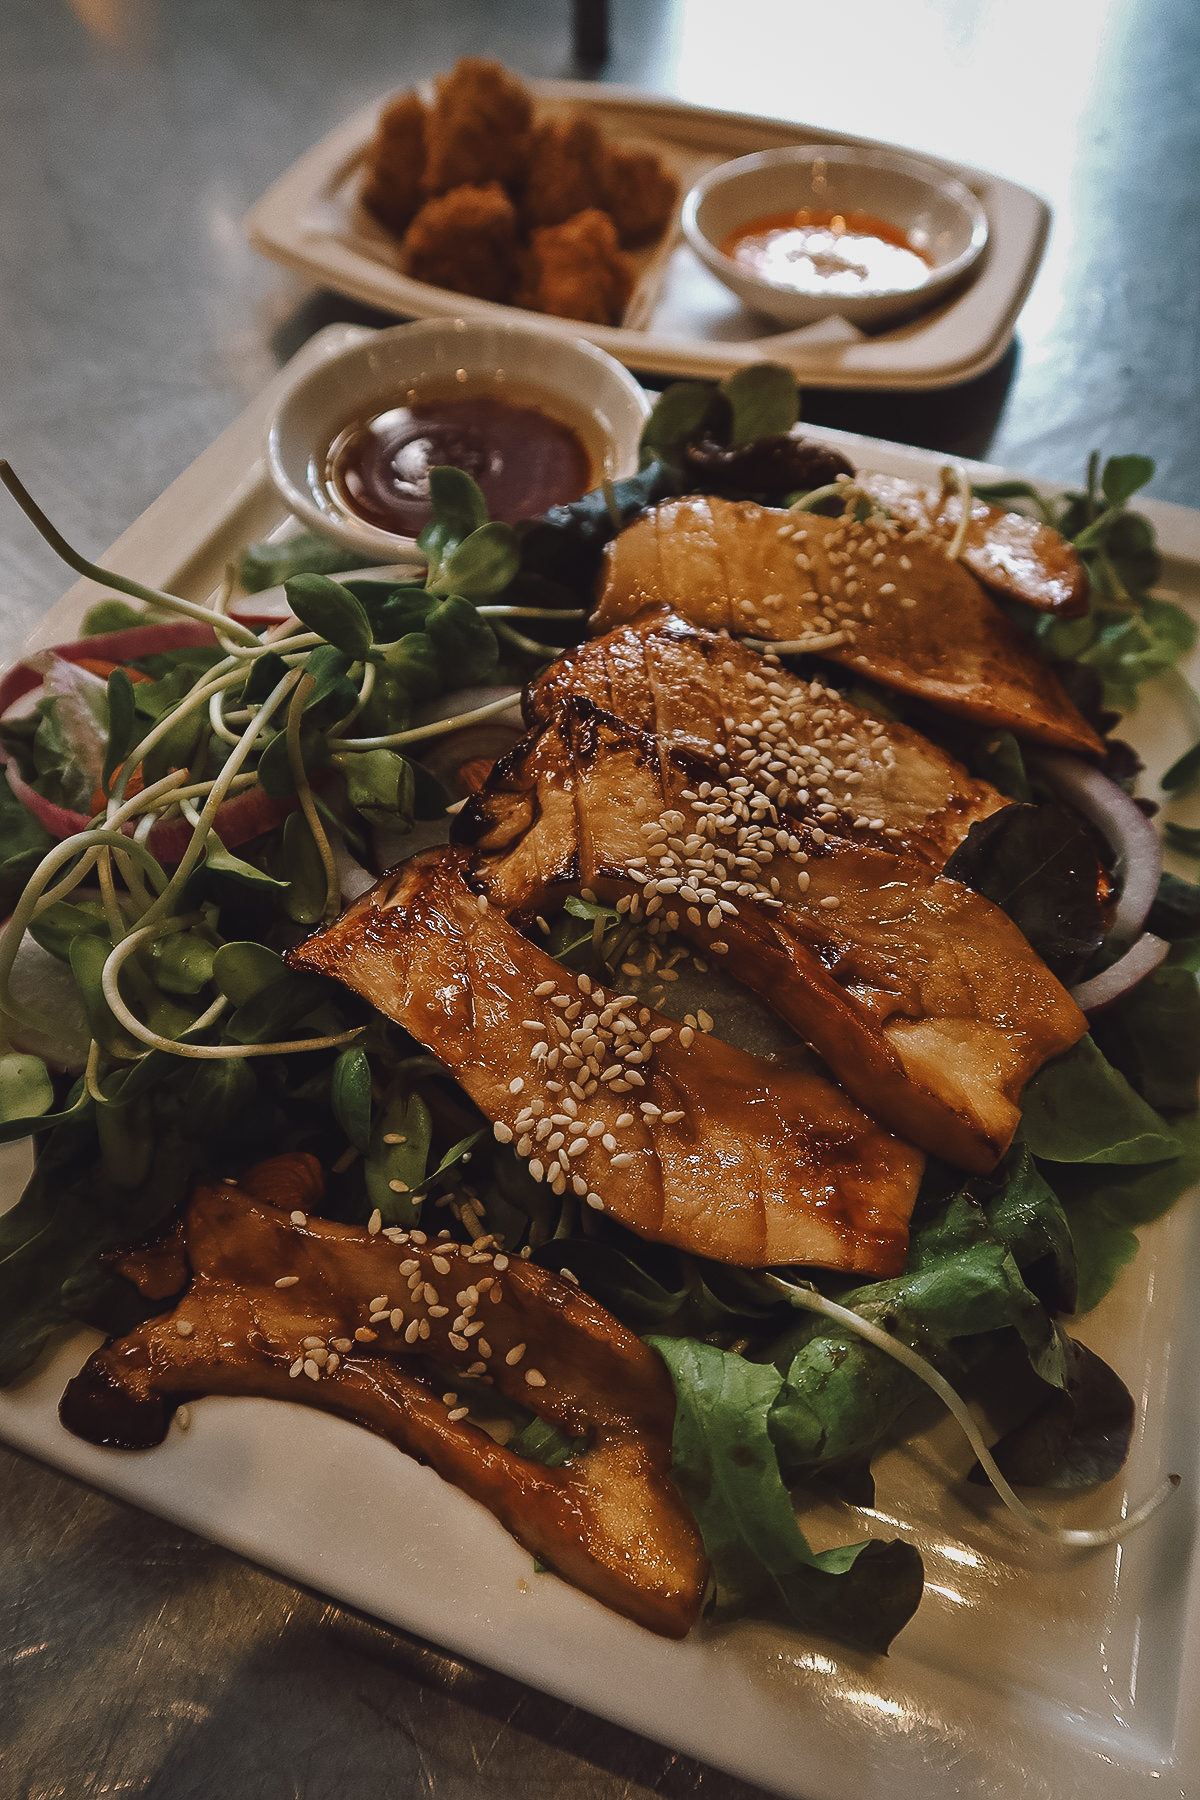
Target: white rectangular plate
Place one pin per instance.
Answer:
(681, 320)
(1026, 1672)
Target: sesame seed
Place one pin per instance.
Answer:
(460, 1412)
(184, 1327)
(412, 1332)
(441, 1265)
(516, 1085)
(595, 1202)
(623, 1160)
(513, 1356)
(311, 1369)
(399, 1187)
(297, 1368)
(286, 1281)
(432, 1297)
(535, 1378)
(500, 1263)
(363, 1336)
(299, 1218)
(394, 1137)
(375, 1223)
(342, 1344)
(397, 1318)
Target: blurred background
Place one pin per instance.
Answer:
(135, 323)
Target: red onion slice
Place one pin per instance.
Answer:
(1138, 962)
(1124, 826)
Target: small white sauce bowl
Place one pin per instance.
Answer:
(567, 378)
(942, 217)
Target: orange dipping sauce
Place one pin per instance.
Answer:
(818, 251)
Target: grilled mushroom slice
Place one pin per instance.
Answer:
(692, 1143)
(927, 1003)
(1014, 557)
(886, 603)
(290, 1307)
(812, 752)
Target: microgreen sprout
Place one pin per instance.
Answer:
(809, 1300)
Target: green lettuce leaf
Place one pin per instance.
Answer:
(724, 1464)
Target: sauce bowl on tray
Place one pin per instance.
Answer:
(536, 419)
(808, 230)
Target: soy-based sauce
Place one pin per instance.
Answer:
(523, 459)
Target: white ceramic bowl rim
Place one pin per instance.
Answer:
(929, 174)
(307, 407)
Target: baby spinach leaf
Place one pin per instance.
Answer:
(71, 1210)
(1124, 475)
(183, 962)
(1183, 771)
(26, 1090)
(88, 956)
(566, 544)
(23, 843)
(326, 606)
(679, 412)
(220, 1092)
(222, 862)
(1184, 838)
(1039, 865)
(79, 1103)
(1077, 1437)
(397, 1155)
(1152, 1035)
(465, 643)
(764, 402)
(112, 615)
(1079, 1109)
(60, 924)
(1105, 1205)
(482, 564)
(244, 969)
(1175, 913)
(271, 565)
(350, 1096)
(381, 785)
(458, 507)
(122, 725)
(275, 1011)
(723, 1462)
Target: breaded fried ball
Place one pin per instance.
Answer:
(395, 164)
(566, 171)
(576, 271)
(466, 240)
(478, 128)
(639, 194)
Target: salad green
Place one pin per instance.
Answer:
(254, 767)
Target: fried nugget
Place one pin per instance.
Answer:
(576, 271)
(639, 194)
(478, 129)
(466, 240)
(566, 171)
(395, 164)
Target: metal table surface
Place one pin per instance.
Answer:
(136, 323)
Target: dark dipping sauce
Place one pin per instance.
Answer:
(523, 460)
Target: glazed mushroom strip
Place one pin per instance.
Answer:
(689, 1142)
(1014, 557)
(373, 1329)
(810, 750)
(883, 602)
(925, 1000)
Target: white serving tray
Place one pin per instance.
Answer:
(681, 320)
(1027, 1672)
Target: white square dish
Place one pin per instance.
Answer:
(1026, 1672)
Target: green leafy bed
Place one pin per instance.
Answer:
(205, 1052)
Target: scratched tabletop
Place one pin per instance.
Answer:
(135, 323)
